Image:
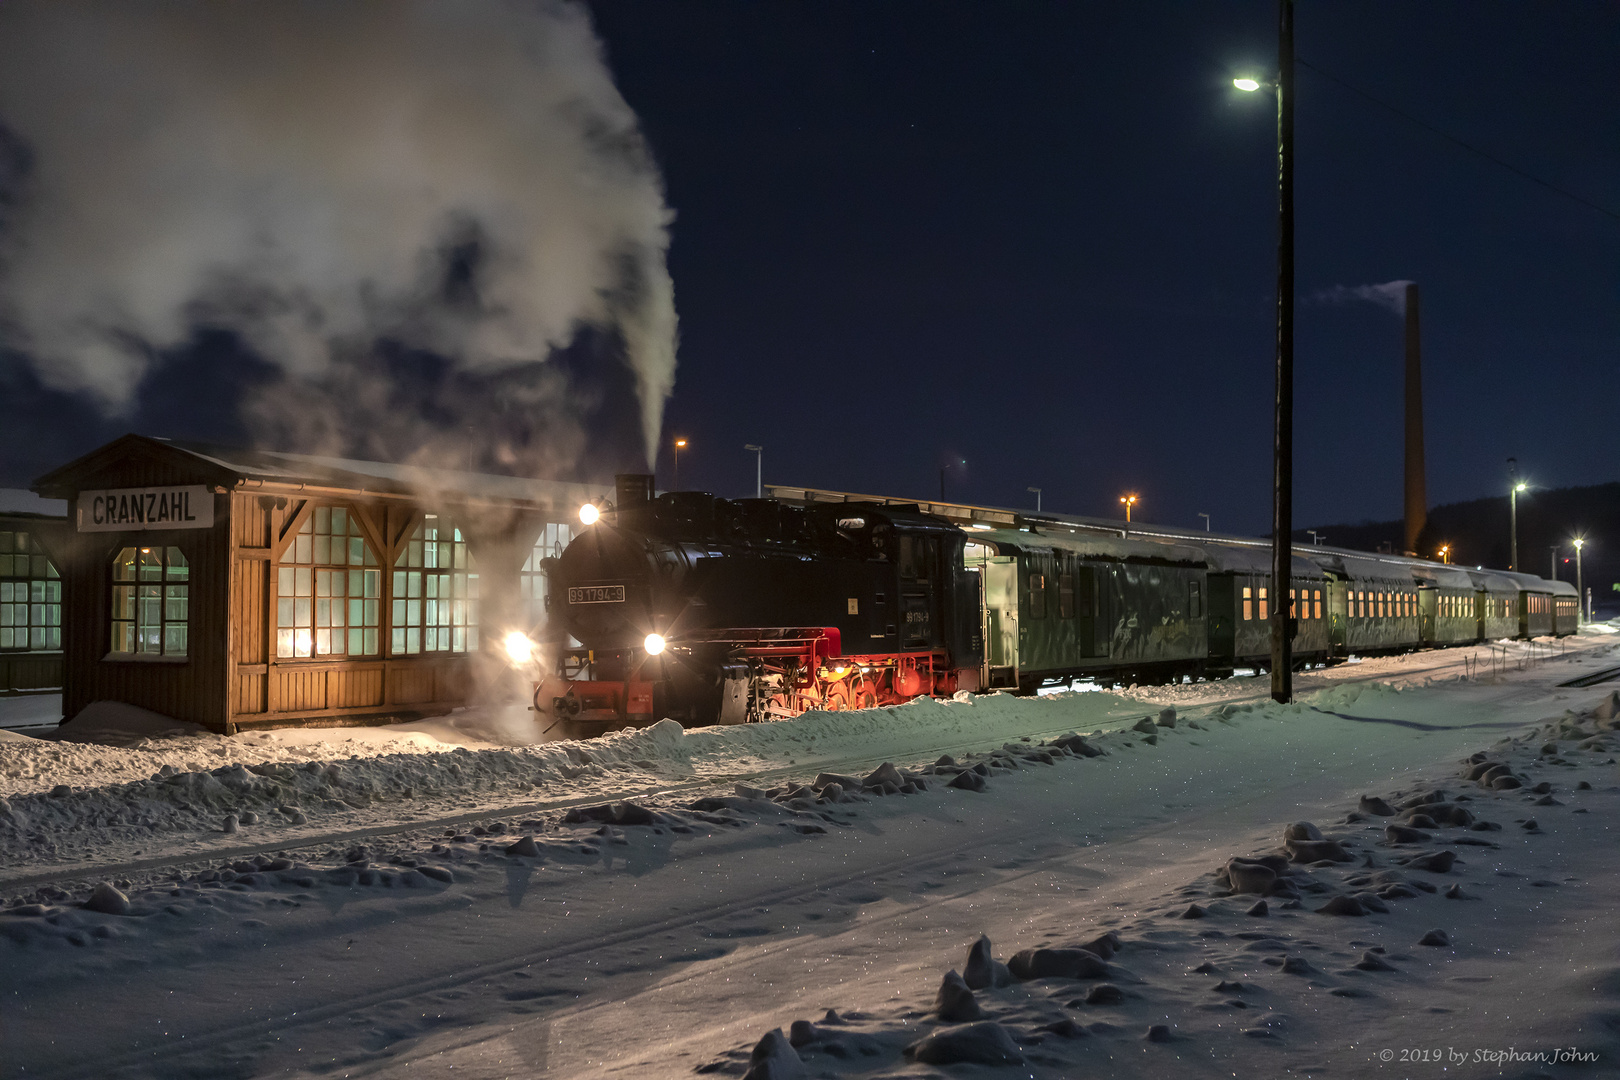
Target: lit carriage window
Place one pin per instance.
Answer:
(30, 595)
(1263, 615)
(435, 592)
(533, 586)
(328, 589)
(1316, 601)
(150, 597)
(1248, 604)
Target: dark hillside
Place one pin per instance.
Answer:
(1478, 534)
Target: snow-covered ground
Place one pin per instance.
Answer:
(455, 898)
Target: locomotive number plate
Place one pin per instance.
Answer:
(596, 594)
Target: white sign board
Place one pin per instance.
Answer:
(135, 509)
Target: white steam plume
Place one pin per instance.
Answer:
(305, 173)
(1391, 295)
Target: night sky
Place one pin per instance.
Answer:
(1041, 238)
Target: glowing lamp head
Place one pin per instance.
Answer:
(519, 649)
(588, 514)
(1248, 86)
(654, 644)
(1579, 543)
(1521, 487)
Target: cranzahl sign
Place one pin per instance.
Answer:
(134, 509)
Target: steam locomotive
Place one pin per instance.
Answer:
(709, 610)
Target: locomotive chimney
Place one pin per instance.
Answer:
(632, 489)
(1417, 503)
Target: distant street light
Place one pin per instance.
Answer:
(1581, 614)
(1037, 492)
(1129, 501)
(1206, 520)
(675, 483)
(1248, 85)
(759, 469)
(949, 465)
(1316, 537)
(1445, 553)
(1513, 524)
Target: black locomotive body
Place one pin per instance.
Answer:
(698, 608)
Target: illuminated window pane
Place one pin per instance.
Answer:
(310, 598)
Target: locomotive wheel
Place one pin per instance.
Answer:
(862, 696)
(839, 698)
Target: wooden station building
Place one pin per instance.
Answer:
(243, 588)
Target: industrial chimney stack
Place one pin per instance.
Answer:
(1417, 502)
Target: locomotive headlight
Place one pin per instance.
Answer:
(519, 649)
(588, 514)
(654, 644)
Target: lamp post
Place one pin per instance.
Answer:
(1129, 501)
(675, 482)
(1037, 492)
(1553, 574)
(1206, 520)
(759, 469)
(1581, 614)
(1513, 525)
(1282, 488)
(1445, 553)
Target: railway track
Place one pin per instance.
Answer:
(87, 875)
(1595, 678)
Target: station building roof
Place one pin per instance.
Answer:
(282, 472)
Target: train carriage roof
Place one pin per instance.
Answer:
(1532, 583)
(1087, 546)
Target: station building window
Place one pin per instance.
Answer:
(30, 595)
(328, 590)
(533, 584)
(435, 593)
(150, 598)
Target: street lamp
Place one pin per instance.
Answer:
(1513, 524)
(675, 484)
(1037, 492)
(1129, 501)
(1445, 553)
(759, 469)
(1206, 520)
(1282, 486)
(1581, 614)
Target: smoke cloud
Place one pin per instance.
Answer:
(1390, 295)
(456, 190)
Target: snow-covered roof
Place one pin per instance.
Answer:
(27, 504)
(316, 470)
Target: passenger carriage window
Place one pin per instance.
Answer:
(1065, 596)
(1316, 601)
(1195, 600)
(149, 602)
(1263, 615)
(1248, 604)
(30, 595)
(1037, 596)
